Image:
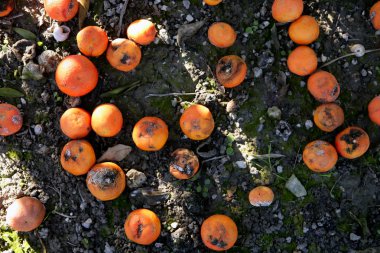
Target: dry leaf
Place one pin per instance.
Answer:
(116, 153)
(84, 5)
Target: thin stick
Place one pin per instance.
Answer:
(347, 55)
(64, 215)
(170, 94)
(122, 13)
(214, 158)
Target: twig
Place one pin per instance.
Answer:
(171, 94)
(122, 13)
(59, 192)
(64, 215)
(347, 55)
(214, 158)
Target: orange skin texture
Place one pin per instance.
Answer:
(219, 232)
(374, 110)
(261, 196)
(142, 226)
(123, 54)
(302, 61)
(323, 86)
(142, 32)
(150, 134)
(212, 2)
(76, 75)
(231, 71)
(304, 30)
(184, 164)
(8, 8)
(61, 10)
(77, 157)
(75, 123)
(106, 181)
(197, 122)
(221, 35)
(320, 156)
(92, 41)
(25, 214)
(328, 117)
(374, 13)
(10, 119)
(352, 142)
(106, 120)
(285, 11)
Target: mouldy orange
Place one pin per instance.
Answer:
(231, 71)
(10, 119)
(320, 156)
(61, 10)
(352, 142)
(328, 117)
(197, 122)
(323, 86)
(184, 163)
(77, 157)
(123, 54)
(150, 134)
(374, 14)
(374, 110)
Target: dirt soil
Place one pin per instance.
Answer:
(341, 211)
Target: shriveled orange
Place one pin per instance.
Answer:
(184, 163)
(150, 134)
(323, 86)
(106, 120)
(261, 196)
(61, 10)
(285, 11)
(106, 181)
(142, 226)
(76, 75)
(6, 7)
(142, 31)
(231, 71)
(212, 2)
(328, 117)
(10, 119)
(302, 61)
(374, 14)
(123, 54)
(374, 110)
(92, 41)
(197, 122)
(352, 142)
(77, 157)
(75, 123)
(320, 156)
(221, 34)
(304, 30)
(219, 232)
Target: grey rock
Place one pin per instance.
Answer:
(32, 71)
(295, 187)
(147, 196)
(48, 61)
(354, 237)
(135, 178)
(274, 112)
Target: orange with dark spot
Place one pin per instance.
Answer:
(77, 157)
(302, 61)
(75, 123)
(212, 2)
(285, 11)
(142, 226)
(61, 10)
(106, 120)
(106, 181)
(150, 134)
(320, 156)
(76, 75)
(323, 86)
(304, 30)
(374, 14)
(10, 119)
(221, 35)
(261, 196)
(142, 32)
(374, 110)
(219, 232)
(328, 117)
(123, 54)
(6, 7)
(197, 122)
(92, 41)
(184, 164)
(352, 142)
(231, 71)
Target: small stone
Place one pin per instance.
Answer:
(109, 249)
(37, 129)
(241, 164)
(302, 84)
(178, 234)
(323, 58)
(295, 187)
(174, 224)
(186, 4)
(231, 106)
(135, 178)
(309, 124)
(32, 71)
(257, 72)
(189, 18)
(280, 169)
(288, 239)
(354, 237)
(274, 112)
(364, 73)
(87, 223)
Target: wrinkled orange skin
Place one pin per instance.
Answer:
(374, 110)
(142, 32)
(320, 156)
(285, 11)
(374, 14)
(219, 232)
(106, 120)
(76, 75)
(92, 41)
(106, 181)
(123, 54)
(75, 123)
(221, 35)
(150, 134)
(304, 30)
(328, 117)
(77, 157)
(8, 7)
(184, 164)
(352, 142)
(142, 226)
(212, 2)
(302, 61)
(231, 71)
(197, 122)
(10, 119)
(61, 10)
(25, 214)
(261, 196)
(323, 86)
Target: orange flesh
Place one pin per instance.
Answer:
(10, 119)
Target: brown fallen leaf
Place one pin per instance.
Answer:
(115, 153)
(84, 5)
(188, 30)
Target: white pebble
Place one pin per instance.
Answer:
(241, 164)
(174, 224)
(309, 124)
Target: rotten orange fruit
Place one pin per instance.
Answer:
(77, 157)
(231, 71)
(6, 7)
(328, 117)
(374, 110)
(304, 30)
(75, 123)
(320, 156)
(123, 54)
(61, 10)
(184, 164)
(197, 122)
(352, 142)
(302, 61)
(106, 120)
(261, 196)
(150, 134)
(212, 2)
(323, 86)
(92, 41)
(374, 14)
(285, 11)
(142, 32)
(10, 119)
(221, 34)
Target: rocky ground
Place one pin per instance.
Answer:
(261, 129)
